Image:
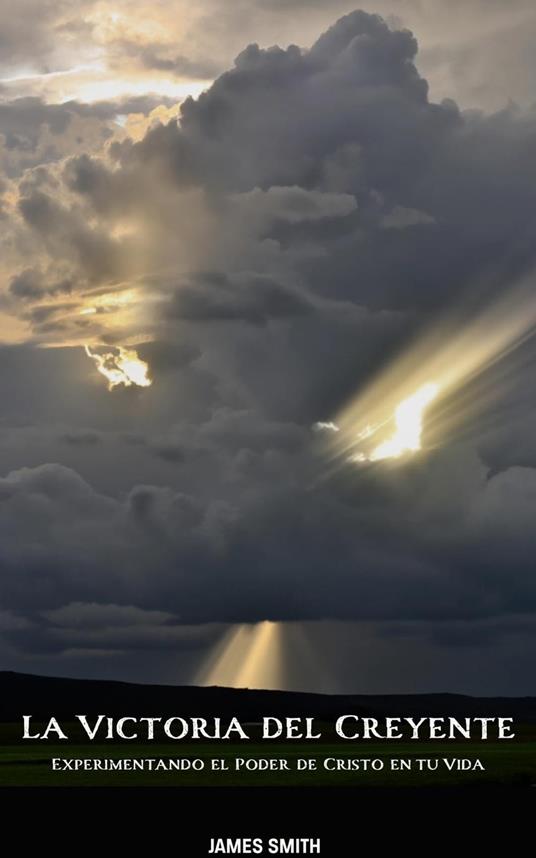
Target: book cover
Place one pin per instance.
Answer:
(267, 457)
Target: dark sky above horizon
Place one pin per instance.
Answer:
(275, 207)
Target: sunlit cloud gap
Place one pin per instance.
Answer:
(120, 366)
(408, 420)
(111, 88)
(92, 83)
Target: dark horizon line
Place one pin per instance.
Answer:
(269, 691)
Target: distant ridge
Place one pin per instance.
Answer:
(43, 696)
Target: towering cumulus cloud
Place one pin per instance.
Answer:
(263, 251)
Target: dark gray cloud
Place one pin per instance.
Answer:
(91, 616)
(67, 235)
(28, 30)
(161, 57)
(34, 133)
(81, 438)
(443, 541)
(29, 285)
(254, 298)
(352, 116)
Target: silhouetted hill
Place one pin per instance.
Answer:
(43, 696)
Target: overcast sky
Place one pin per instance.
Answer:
(269, 205)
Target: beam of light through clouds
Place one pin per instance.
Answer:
(248, 656)
(267, 655)
(452, 354)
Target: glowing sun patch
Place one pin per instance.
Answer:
(408, 419)
(120, 366)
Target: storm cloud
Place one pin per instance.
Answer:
(278, 244)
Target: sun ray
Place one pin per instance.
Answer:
(248, 656)
(456, 352)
